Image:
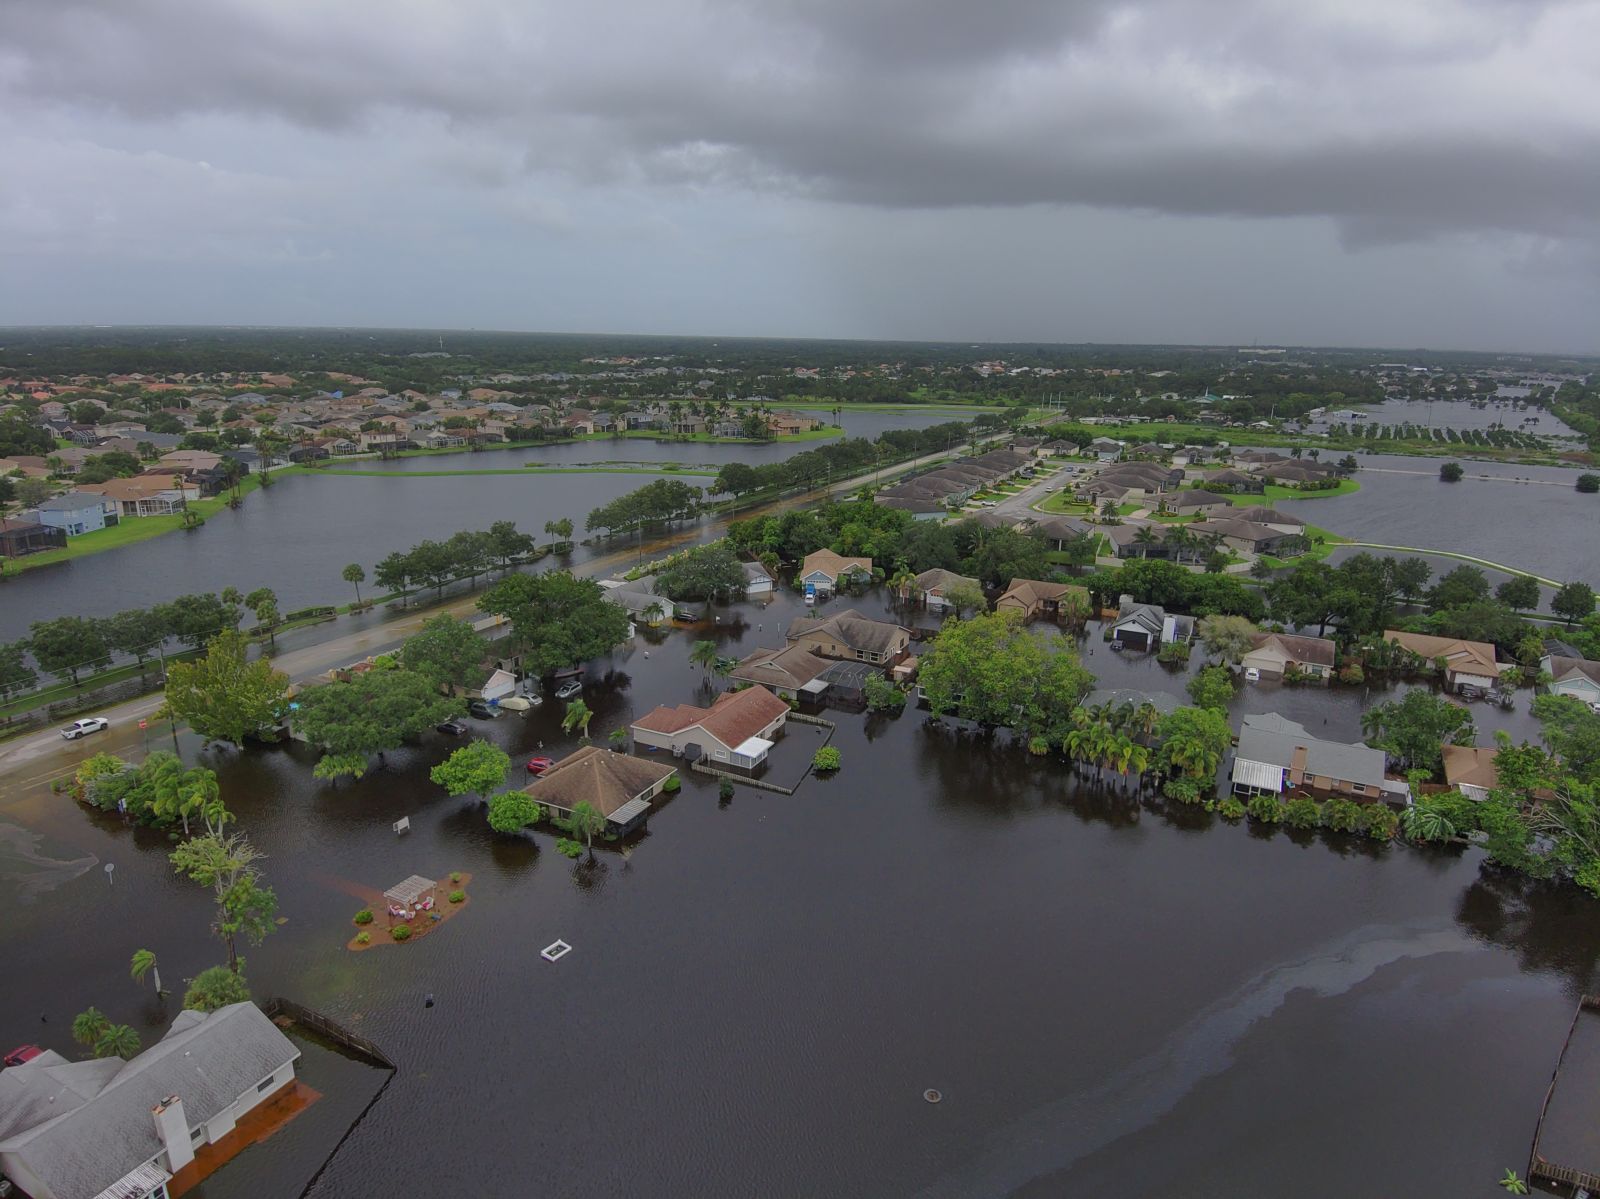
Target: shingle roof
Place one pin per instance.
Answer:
(1271, 739)
(832, 564)
(601, 777)
(852, 629)
(939, 579)
(1316, 650)
(1561, 668)
(1033, 592)
(793, 666)
(734, 718)
(1475, 657)
(102, 1128)
(1470, 764)
(1266, 516)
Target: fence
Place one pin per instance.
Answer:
(324, 1027)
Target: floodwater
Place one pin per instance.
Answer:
(297, 535)
(1111, 996)
(1454, 414)
(1531, 518)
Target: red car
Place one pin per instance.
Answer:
(537, 766)
(21, 1054)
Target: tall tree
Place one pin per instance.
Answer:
(1228, 637)
(577, 716)
(1413, 728)
(992, 670)
(225, 697)
(1519, 591)
(15, 673)
(448, 652)
(584, 822)
(356, 575)
(144, 963)
(556, 619)
(245, 906)
(374, 712)
(1193, 741)
(68, 644)
(478, 768)
(1573, 601)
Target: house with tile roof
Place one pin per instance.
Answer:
(738, 730)
(618, 786)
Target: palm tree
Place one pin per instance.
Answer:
(1514, 1184)
(1426, 824)
(584, 822)
(89, 1025)
(1145, 719)
(118, 1040)
(144, 962)
(577, 717)
(654, 612)
(619, 735)
(704, 655)
(902, 582)
(355, 573)
(1144, 539)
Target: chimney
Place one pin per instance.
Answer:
(172, 1129)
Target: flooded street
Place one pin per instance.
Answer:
(1104, 990)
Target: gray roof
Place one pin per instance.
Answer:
(850, 628)
(73, 501)
(1146, 616)
(1162, 701)
(81, 1126)
(1271, 739)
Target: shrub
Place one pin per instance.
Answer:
(569, 847)
(1038, 746)
(725, 789)
(1174, 652)
(401, 932)
(1341, 815)
(1268, 808)
(215, 987)
(457, 896)
(364, 916)
(1231, 809)
(883, 696)
(1379, 822)
(826, 759)
(1185, 791)
(673, 785)
(455, 876)
(1352, 674)
(363, 938)
(1302, 813)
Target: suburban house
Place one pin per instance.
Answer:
(1248, 537)
(757, 580)
(1152, 539)
(1145, 626)
(146, 495)
(1237, 481)
(77, 512)
(792, 670)
(850, 636)
(1105, 448)
(1576, 677)
(1038, 600)
(19, 537)
(934, 585)
(1277, 756)
(1274, 653)
(738, 730)
(1059, 530)
(108, 1127)
(617, 786)
(823, 571)
(1470, 769)
(1193, 503)
(1466, 663)
(1270, 517)
(643, 604)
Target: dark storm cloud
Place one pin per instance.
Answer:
(1397, 120)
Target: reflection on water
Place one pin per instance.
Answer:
(761, 990)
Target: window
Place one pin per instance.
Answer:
(266, 1085)
(196, 1133)
(1359, 788)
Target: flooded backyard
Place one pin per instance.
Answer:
(1111, 996)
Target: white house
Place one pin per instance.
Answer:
(73, 1129)
(1274, 653)
(757, 581)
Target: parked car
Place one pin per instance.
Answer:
(1252, 674)
(537, 766)
(569, 690)
(451, 728)
(480, 710)
(21, 1054)
(82, 728)
(521, 703)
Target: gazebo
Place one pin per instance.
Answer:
(408, 896)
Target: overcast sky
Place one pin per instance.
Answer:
(1374, 172)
